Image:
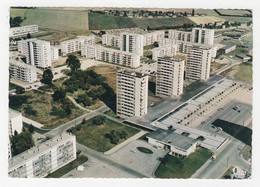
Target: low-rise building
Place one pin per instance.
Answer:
(111, 55)
(44, 158)
(19, 31)
(74, 45)
(22, 71)
(228, 48)
(178, 145)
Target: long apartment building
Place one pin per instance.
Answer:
(166, 50)
(111, 40)
(132, 43)
(198, 63)
(197, 35)
(151, 37)
(169, 77)
(44, 158)
(19, 31)
(74, 45)
(20, 70)
(132, 93)
(37, 52)
(111, 55)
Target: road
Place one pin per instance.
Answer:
(100, 156)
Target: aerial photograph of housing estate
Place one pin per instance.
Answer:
(130, 93)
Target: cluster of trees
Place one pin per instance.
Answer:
(73, 63)
(21, 142)
(30, 111)
(99, 120)
(16, 21)
(47, 77)
(62, 111)
(115, 136)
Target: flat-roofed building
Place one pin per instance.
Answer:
(166, 50)
(203, 36)
(228, 48)
(111, 55)
(169, 77)
(198, 63)
(54, 53)
(15, 122)
(179, 145)
(132, 93)
(44, 158)
(111, 40)
(132, 43)
(74, 45)
(22, 71)
(37, 52)
(19, 31)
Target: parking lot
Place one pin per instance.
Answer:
(139, 161)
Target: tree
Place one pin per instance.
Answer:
(193, 12)
(15, 133)
(84, 99)
(59, 95)
(73, 63)
(47, 77)
(29, 36)
(31, 128)
(99, 120)
(30, 111)
(123, 135)
(19, 90)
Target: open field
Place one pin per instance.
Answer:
(233, 12)
(242, 72)
(58, 19)
(173, 167)
(43, 104)
(206, 19)
(98, 21)
(67, 168)
(214, 66)
(109, 73)
(94, 136)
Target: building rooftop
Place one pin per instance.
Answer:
(132, 73)
(30, 153)
(174, 139)
(13, 113)
(21, 64)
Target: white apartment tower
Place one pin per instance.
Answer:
(37, 52)
(132, 93)
(198, 63)
(203, 36)
(169, 77)
(132, 43)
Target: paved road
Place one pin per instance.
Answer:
(65, 126)
(100, 156)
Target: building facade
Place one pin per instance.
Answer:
(111, 55)
(74, 45)
(54, 53)
(132, 93)
(111, 40)
(19, 31)
(169, 77)
(198, 63)
(132, 43)
(22, 71)
(166, 50)
(44, 158)
(15, 122)
(37, 52)
(203, 36)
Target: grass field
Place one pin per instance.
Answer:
(58, 19)
(99, 21)
(246, 152)
(93, 136)
(43, 103)
(13, 86)
(67, 168)
(173, 167)
(214, 66)
(192, 89)
(242, 72)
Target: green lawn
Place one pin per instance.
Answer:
(13, 86)
(173, 167)
(246, 152)
(241, 71)
(94, 136)
(67, 168)
(192, 89)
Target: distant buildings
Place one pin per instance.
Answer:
(73, 45)
(178, 145)
(111, 40)
(198, 63)
(37, 52)
(15, 122)
(228, 48)
(132, 93)
(22, 71)
(18, 31)
(166, 50)
(111, 55)
(169, 77)
(44, 158)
